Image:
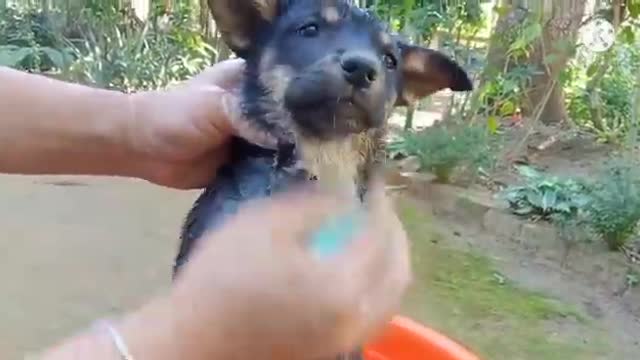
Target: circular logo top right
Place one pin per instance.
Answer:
(598, 35)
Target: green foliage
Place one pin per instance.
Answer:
(455, 291)
(106, 47)
(614, 209)
(422, 17)
(442, 149)
(29, 41)
(523, 40)
(112, 55)
(608, 206)
(633, 279)
(546, 197)
(501, 95)
(599, 88)
(505, 89)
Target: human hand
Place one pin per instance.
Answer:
(181, 134)
(256, 288)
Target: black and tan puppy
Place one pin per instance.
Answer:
(323, 77)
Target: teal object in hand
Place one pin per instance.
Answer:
(336, 234)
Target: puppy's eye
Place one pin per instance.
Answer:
(309, 30)
(390, 61)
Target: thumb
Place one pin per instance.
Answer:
(221, 85)
(226, 74)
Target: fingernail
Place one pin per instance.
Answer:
(336, 234)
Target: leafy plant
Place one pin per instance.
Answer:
(442, 149)
(546, 197)
(30, 41)
(614, 209)
(633, 279)
(115, 53)
(501, 96)
(599, 87)
(106, 45)
(506, 84)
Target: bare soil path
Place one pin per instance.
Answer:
(76, 249)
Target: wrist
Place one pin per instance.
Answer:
(162, 330)
(117, 129)
(141, 136)
(150, 332)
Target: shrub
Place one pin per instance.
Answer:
(615, 89)
(547, 197)
(115, 54)
(30, 41)
(104, 47)
(442, 149)
(609, 206)
(614, 209)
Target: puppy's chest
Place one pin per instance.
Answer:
(335, 164)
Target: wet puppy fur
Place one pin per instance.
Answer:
(323, 77)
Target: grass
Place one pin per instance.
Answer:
(462, 295)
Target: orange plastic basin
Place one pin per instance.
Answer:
(404, 339)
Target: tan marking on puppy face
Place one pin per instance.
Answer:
(276, 78)
(277, 81)
(331, 14)
(239, 41)
(267, 8)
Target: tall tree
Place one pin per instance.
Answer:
(141, 8)
(551, 51)
(512, 13)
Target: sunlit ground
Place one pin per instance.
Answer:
(461, 294)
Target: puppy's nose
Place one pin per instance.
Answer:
(359, 71)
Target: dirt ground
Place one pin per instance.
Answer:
(73, 251)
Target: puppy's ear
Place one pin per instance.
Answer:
(240, 20)
(426, 71)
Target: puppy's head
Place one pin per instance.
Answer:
(325, 67)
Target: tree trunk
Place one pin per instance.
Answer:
(45, 6)
(635, 116)
(141, 9)
(205, 21)
(223, 52)
(560, 23)
(512, 14)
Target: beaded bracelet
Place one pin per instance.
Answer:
(117, 339)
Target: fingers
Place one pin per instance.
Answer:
(228, 75)
(224, 108)
(269, 251)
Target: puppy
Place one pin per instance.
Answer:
(323, 77)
